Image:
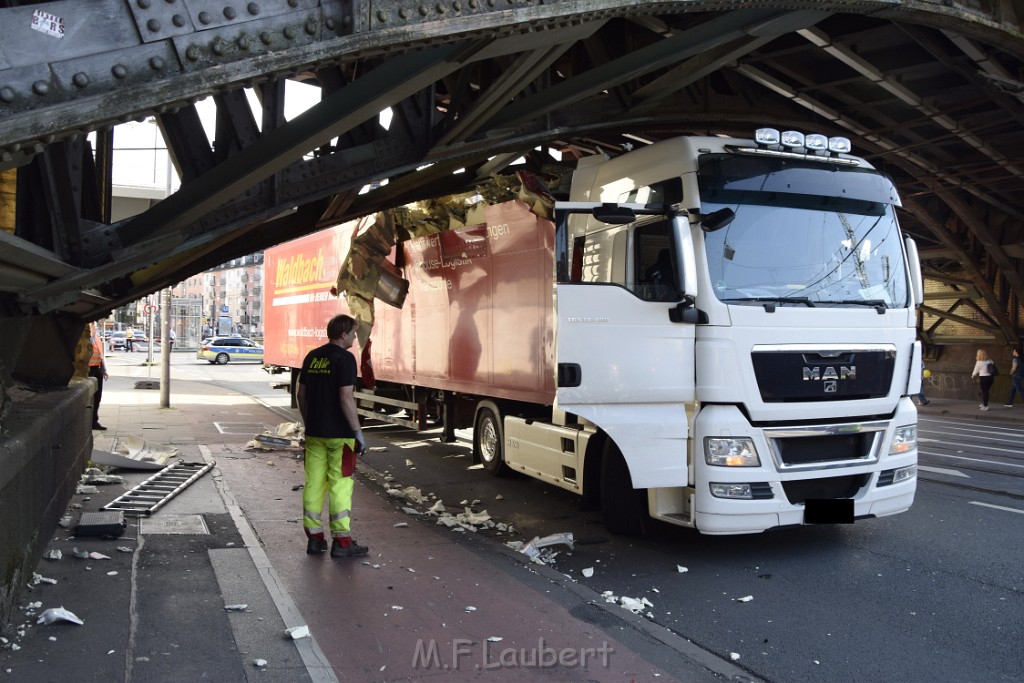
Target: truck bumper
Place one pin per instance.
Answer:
(740, 519)
(778, 493)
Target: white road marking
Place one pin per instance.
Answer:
(971, 445)
(987, 462)
(997, 507)
(943, 470)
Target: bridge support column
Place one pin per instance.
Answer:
(45, 441)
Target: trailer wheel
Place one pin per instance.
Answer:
(222, 359)
(488, 440)
(625, 508)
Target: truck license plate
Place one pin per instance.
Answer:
(828, 511)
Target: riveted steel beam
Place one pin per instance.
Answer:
(162, 226)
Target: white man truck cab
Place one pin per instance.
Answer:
(736, 327)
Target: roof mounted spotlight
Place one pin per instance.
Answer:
(792, 138)
(816, 143)
(839, 145)
(766, 136)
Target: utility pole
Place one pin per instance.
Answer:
(165, 348)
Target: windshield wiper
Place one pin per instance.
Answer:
(769, 300)
(878, 304)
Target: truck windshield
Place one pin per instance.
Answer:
(805, 233)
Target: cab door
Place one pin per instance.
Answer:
(623, 364)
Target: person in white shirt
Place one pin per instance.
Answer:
(983, 371)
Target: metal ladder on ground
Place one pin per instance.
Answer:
(152, 494)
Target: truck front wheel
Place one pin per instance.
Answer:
(625, 508)
(488, 440)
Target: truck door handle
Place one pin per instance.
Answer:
(570, 374)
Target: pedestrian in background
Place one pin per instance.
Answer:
(921, 400)
(1016, 378)
(333, 439)
(97, 369)
(984, 372)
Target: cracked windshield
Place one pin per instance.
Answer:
(834, 244)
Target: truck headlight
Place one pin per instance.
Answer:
(730, 452)
(904, 440)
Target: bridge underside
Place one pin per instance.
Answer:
(930, 92)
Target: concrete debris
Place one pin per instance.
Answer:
(588, 572)
(88, 490)
(297, 632)
(259, 663)
(112, 573)
(286, 435)
(38, 579)
(734, 656)
(409, 463)
(470, 608)
(53, 555)
(635, 605)
(499, 497)
(747, 598)
(681, 569)
(402, 525)
(80, 554)
(411, 511)
(415, 495)
(125, 549)
(100, 478)
(98, 556)
(437, 508)
(377, 449)
(466, 521)
(396, 608)
(236, 608)
(495, 639)
(535, 549)
(32, 606)
(64, 522)
(55, 614)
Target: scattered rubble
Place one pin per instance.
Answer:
(297, 632)
(55, 614)
(539, 549)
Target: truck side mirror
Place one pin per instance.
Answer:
(716, 220)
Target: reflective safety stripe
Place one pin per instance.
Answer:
(312, 523)
(343, 514)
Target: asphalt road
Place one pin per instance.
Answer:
(936, 593)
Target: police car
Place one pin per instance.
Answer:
(222, 350)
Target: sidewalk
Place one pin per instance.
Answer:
(426, 602)
(969, 410)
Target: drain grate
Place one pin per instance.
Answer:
(152, 494)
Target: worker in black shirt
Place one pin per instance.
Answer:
(333, 439)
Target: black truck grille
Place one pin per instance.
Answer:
(801, 376)
(831, 488)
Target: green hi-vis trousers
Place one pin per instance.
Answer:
(330, 464)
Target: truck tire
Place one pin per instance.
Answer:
(624, 508)
(489, 440)
(222, 359)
